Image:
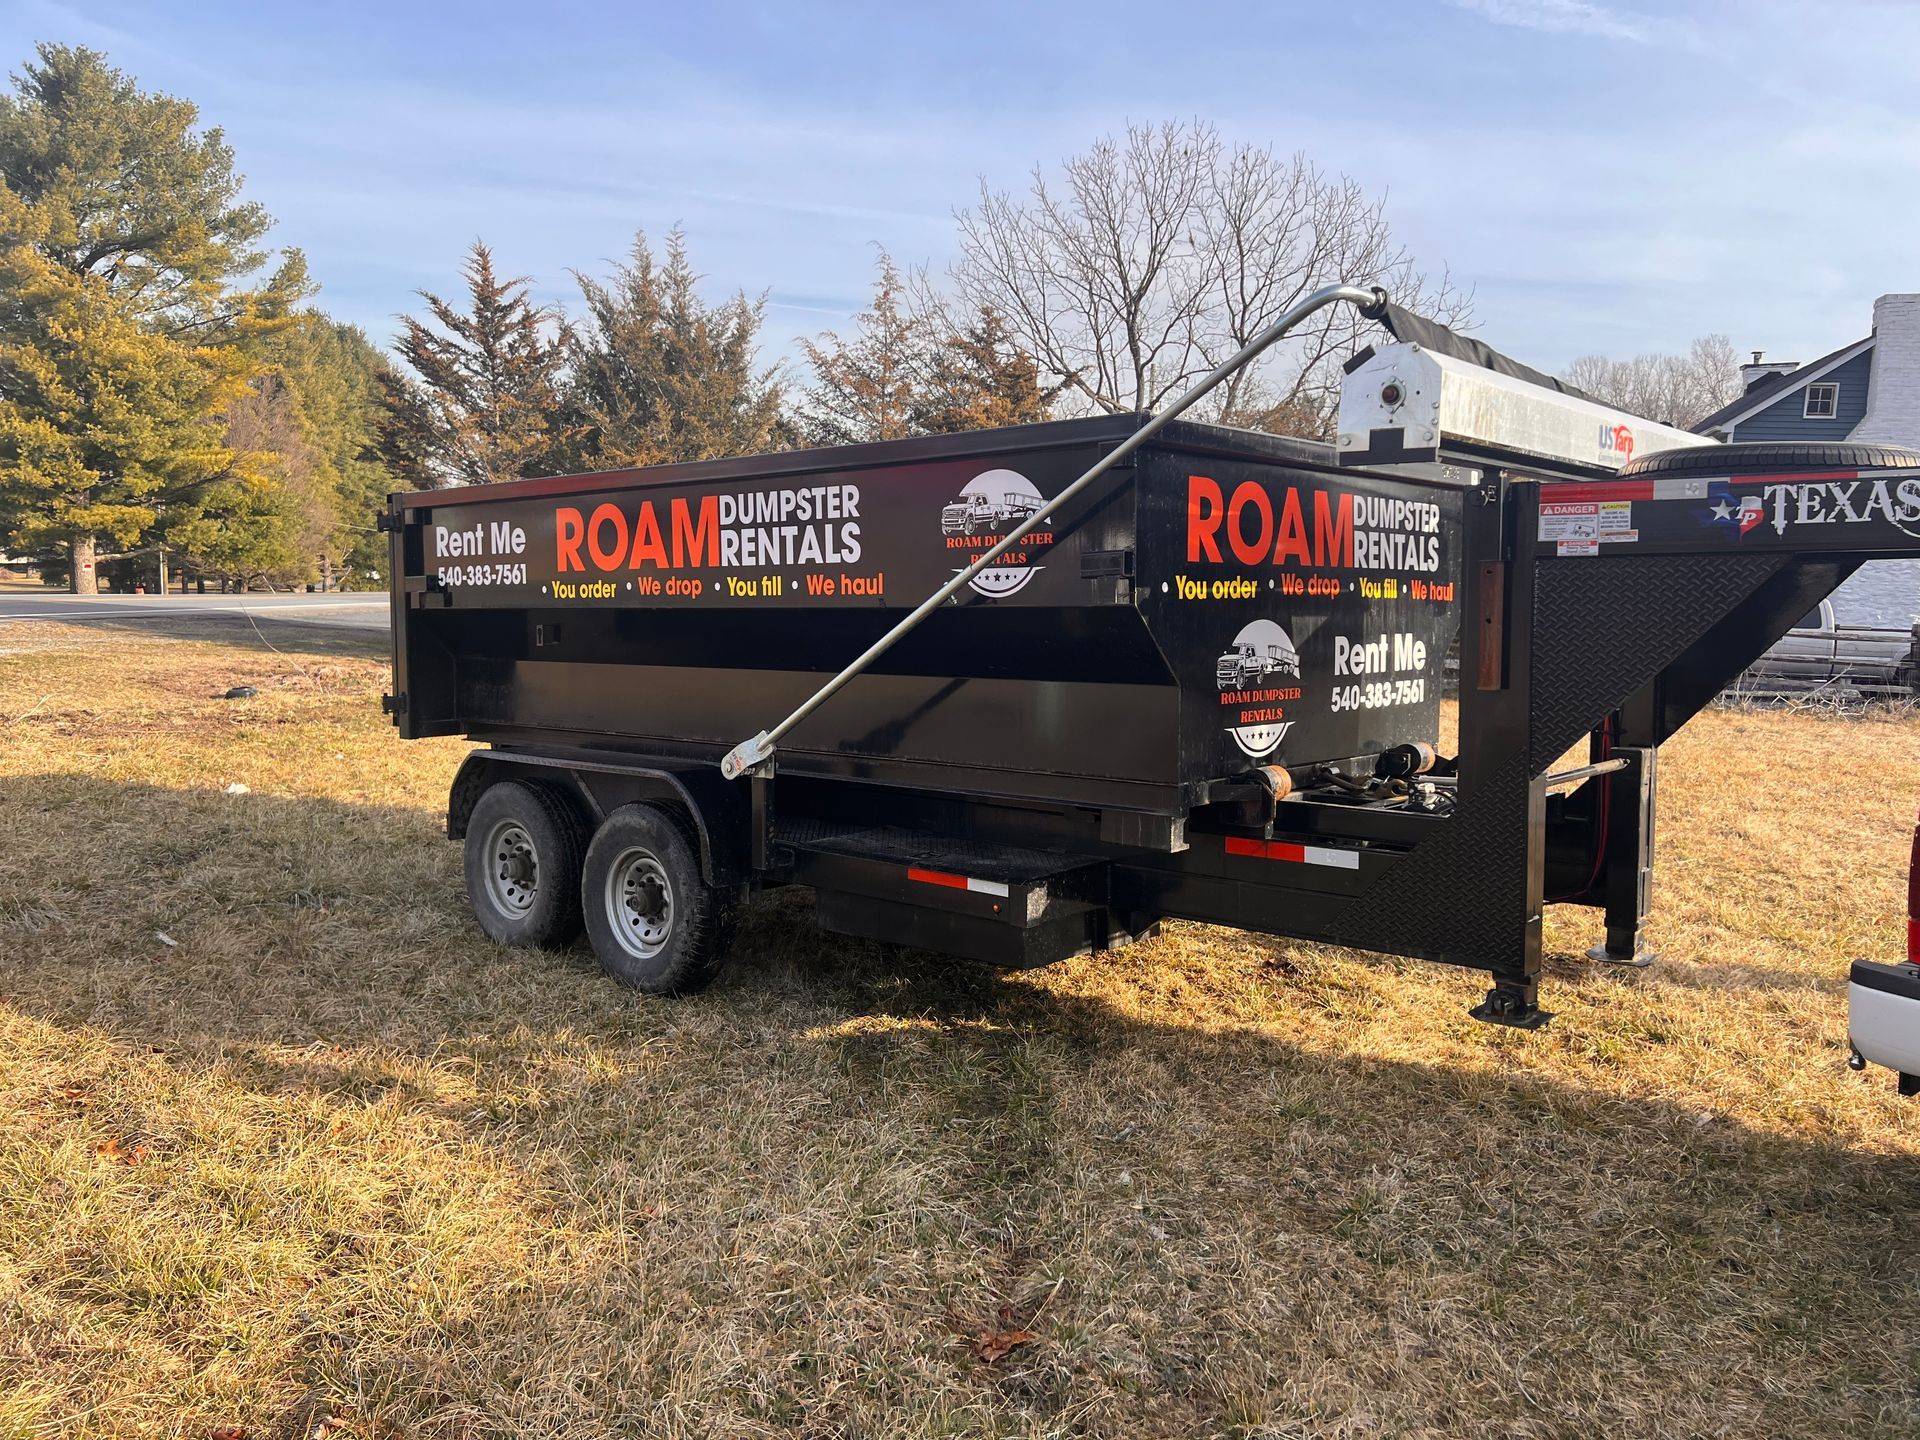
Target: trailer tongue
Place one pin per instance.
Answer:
(1173, 671)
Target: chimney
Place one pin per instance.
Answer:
(1761, 367)
(1893, 388)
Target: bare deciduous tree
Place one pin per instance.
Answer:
(1677, 390)
(1156, 255)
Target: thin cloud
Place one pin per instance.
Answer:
(1561, 17)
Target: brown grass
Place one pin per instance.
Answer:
(331, 1154)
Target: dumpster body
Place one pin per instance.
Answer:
(674, 612)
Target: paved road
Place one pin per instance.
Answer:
(355, 611)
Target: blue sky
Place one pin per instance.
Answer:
(1608, 177)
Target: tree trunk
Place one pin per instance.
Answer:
(162, 553)
(85, 580)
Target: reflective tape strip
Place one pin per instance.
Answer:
(1554, 493)
(1688, 487)
(1675, 487)
(956, 882)
(1297, 854)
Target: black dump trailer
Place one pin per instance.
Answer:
(1206, 687)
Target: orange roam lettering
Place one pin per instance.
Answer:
(609, 557)
(698, 543)
(1203, 524)
(648, 543)
(1293, 533)
(1332, 536)
(1249, 552)
(569, 529)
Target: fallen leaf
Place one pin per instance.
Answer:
(227, 1432)
(166, 939)
(113, 1152)
(992, 1345)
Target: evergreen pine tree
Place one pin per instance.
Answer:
(486, 403)
(661, 376)
(979, 378)
(866, 387)
(128, 309)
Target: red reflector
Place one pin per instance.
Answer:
(1913, 900)
(936, 877)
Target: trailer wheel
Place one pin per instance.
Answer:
(523, 865)
(655, 924)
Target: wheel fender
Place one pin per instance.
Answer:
(716, 811)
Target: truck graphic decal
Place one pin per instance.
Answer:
(1257, 676)
(988, 506)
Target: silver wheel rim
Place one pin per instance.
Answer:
(513, 869)
(639, 903)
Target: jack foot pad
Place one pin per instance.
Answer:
(1510, 1008)
(1636, 959)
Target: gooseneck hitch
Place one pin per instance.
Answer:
(755, 756)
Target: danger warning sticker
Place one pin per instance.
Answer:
(1570, 521)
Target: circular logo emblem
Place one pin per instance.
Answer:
(1257, 674)
(987, 507)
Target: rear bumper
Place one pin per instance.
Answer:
(1883, 1014)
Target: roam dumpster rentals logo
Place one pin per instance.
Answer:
(1313, 529)
(988, 506)
(1258, 675)
(811, 525)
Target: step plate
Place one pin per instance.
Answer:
(943, 854)
(1009, 885)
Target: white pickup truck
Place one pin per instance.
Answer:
(1821, 654)
(972, 514)
(1883, 1001)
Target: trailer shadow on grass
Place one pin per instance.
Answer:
(452, 1179)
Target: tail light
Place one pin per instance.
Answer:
(1913, 900)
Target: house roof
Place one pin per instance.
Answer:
(1769, 388)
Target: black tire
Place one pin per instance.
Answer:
(523, 852)
(1771, 457)
(654, 923)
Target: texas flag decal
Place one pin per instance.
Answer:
(1735, 514)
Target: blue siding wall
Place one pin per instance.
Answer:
(1782, 420)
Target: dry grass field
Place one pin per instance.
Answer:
(324, 1162)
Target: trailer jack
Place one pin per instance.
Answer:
(1512, 1004)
